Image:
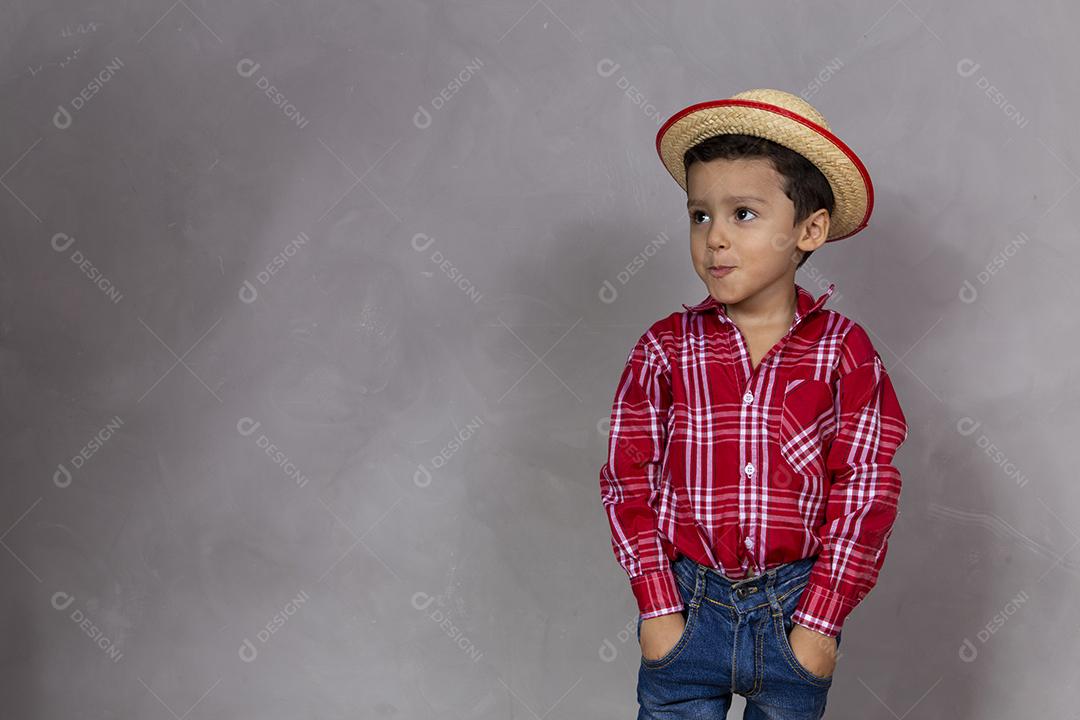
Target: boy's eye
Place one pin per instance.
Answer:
(697, 216)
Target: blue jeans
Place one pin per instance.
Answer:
(735, 641)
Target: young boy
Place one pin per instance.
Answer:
(749, 482)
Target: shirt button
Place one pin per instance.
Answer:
(749, 469)
(748, 397)
(749, 543)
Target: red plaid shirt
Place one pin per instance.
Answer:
(746, 468)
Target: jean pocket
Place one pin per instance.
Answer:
(690, 613)
(783, 625)
(670, 656)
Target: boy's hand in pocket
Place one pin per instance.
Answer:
(813, 650)
(660, 634)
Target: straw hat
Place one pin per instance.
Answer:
(785, 119)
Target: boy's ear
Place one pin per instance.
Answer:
(815, 230)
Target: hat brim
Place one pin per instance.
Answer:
(845, 172)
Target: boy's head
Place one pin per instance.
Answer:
(811, 188)
(800, 180)
(755, 205)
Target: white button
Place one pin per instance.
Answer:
(749, 469)
(748, 397)
(749, 544)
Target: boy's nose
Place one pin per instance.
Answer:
(716, 240)
(717, 243)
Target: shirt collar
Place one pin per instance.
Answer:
(804, 304)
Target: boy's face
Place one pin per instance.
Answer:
(740, 217)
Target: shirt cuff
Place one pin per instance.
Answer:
(822, 609)
(657, 593)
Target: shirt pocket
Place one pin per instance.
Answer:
(807, 424)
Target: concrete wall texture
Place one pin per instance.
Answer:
(313, 314)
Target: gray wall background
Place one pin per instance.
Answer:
(309, 343)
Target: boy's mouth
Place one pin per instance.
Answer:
(719, 271)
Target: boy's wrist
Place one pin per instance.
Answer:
(810, 629)
(822, 610)
(656, 593)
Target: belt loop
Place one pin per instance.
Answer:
(770, 578)
(774, 602)
(699, 585)
(770, 592)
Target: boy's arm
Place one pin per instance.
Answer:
(632, 474)
(864, 488)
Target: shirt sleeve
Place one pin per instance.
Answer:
(631, 476)
(864, 488)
